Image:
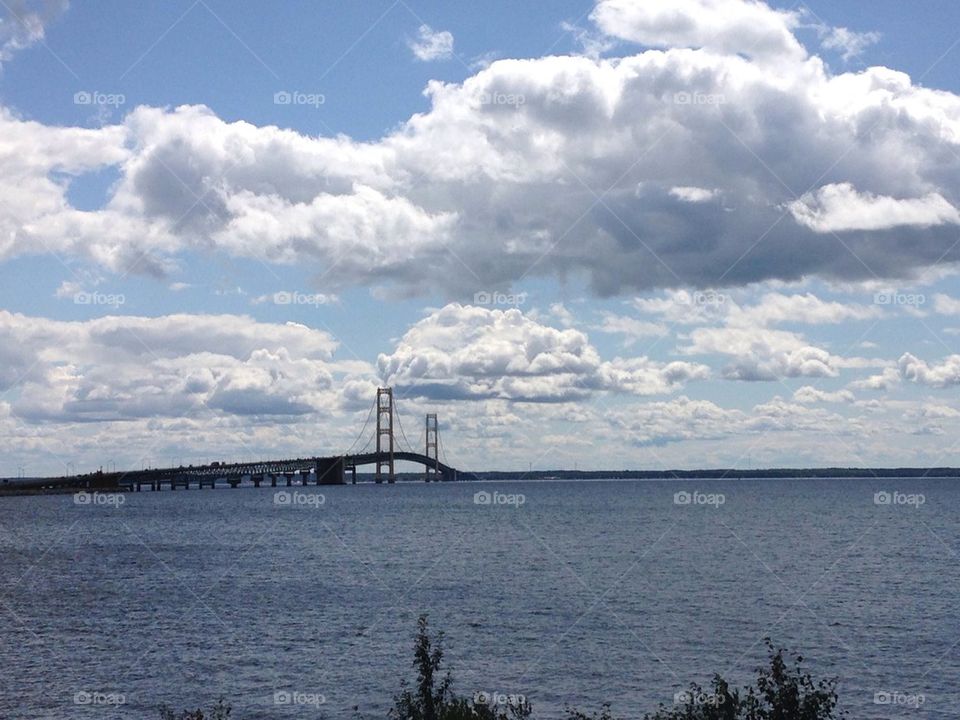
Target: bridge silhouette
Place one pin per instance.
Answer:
(385, 452)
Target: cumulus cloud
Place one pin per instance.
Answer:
(943, 375)
(124, 368)
(723, 26)
(747, 334)
(682, 418)
(432, 44)
(762, 354)
(841, 208)
(470, 352)
(487, 185)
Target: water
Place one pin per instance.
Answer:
(588, 592)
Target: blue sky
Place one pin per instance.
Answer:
(725, 244)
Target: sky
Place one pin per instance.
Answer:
(596, 234)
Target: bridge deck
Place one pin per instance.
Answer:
(327, 470)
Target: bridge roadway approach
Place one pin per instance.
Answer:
(311, 471)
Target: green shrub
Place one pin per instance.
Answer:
(781, 691)
(220, 711)
(433, 697)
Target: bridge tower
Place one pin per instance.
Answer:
(385, 434)
(432, 434)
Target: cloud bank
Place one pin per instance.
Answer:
(720, 153)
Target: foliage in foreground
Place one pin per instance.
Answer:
(433, 698)
(220, 711)
(781, 691)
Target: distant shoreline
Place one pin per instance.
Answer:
(833, 473)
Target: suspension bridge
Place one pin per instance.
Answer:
(383, 448)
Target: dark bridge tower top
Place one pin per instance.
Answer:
(432, 448)
(385, 434)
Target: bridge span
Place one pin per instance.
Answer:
(329, 470)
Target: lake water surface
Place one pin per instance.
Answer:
(587, 592)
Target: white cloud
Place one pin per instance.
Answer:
(693, 194)
(631, 328)
(683, 419)
(432, 44)
(25, 23)
(489, 181)
(67, 289)
(762, 354)
(946, 305)
(806, 309)
(684, 307)
(474, 353)
(946, 374)
(125, 368)
(676, 420)
(848, 43)
(840, 208)
(809, 395)
(885, 380)
(724, 26)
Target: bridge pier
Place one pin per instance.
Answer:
(257, 479)
(273, 479)
(329, 471)
(304, 477)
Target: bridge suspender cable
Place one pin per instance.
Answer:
(443, 452)
(362, 430)
(410, 447)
